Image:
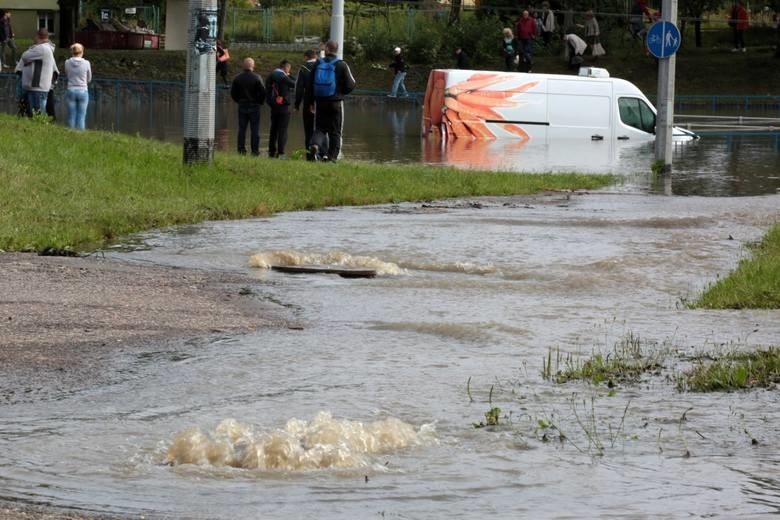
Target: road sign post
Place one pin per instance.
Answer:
(663, 41)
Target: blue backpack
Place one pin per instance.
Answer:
(325, 78)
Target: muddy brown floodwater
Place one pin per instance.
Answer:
(365, 406)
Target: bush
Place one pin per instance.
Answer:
(478, 36)
(378, 46)
(426, 45)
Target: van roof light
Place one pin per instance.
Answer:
(594, 72)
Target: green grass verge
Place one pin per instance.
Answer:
(755, 284)
(82, 190)
(734, 372)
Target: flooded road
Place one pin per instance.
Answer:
(366, 408)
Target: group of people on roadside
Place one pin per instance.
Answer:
(517, 46)
(38, 74)
(539, 27)
(317, 91)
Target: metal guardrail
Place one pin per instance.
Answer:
(709, 124)
(722, 102)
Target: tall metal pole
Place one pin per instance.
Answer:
(200, 89)
(337, 25)
(666, 73)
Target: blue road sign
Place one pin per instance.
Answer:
(663, 39)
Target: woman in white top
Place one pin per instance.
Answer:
(79, 74)
(591, 28)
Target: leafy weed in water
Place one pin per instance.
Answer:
(492, 416)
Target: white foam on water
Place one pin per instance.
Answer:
(450, 267)
(288, 257)
(322, 443)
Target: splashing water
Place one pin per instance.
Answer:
(323, 442)
(265, 259)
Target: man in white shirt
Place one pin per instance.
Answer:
(38, 70)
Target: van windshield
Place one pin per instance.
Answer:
(635, 112)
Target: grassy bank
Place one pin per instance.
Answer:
(755, 284)
(65, 189)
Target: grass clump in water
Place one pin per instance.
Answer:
(734, 371)
(755, 284)
(627, 361)
(86, 189)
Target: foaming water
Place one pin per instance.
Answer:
(267, 259)
(449, 267)
(483, 296)
(321, 443)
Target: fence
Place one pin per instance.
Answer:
(311, 24)
(119, 94)
(766, 103)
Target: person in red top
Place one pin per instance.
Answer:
(525, 30)
(738, 20)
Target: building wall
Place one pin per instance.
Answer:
(176, 15)
(25, 22)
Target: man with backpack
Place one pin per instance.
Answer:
(330, 81)
(279, 89)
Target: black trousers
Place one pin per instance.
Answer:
(249, 115)
(739, 38)
(329, 122)
(308, 125)
(277, 139)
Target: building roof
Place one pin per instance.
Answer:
(29, 5)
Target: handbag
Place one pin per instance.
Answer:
(598, 49)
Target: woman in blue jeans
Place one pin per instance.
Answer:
(79, 74)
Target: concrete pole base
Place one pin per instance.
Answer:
(198, 150)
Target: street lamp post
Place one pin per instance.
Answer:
(337, 25)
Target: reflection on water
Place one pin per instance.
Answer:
(382, 131)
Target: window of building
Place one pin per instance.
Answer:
(46, 21)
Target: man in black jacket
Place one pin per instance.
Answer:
(399, 66)
(280, 87)
(330, 81)
(7, 40)
(462, 59)
(301, 84)
(248, 91)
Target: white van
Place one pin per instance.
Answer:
(496, 105)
